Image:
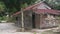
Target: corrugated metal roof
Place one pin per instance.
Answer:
(44, 11)
(38, 11)
(29, 7)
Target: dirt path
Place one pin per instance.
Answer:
(10, 28)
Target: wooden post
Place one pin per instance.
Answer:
(22, 16)
(41, 19)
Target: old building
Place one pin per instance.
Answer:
(39, 15)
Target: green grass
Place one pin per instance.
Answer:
(34, 32)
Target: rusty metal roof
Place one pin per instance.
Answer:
(44, 11)
(38, 11)
(29, 7)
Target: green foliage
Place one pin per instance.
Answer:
(57, 7)
(24, 5)
(3, 18)
(2, 7)
(34, 32)
(11, 6)
(15, 5)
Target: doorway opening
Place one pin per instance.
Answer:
(33, 20)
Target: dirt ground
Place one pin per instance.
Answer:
(9, 28)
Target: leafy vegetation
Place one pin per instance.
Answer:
(15, 5)
(8, 7)
(57, 7)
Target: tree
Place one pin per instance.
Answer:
(57, 7)
(15, 5)
(2, 7)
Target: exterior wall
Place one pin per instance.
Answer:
(45, 21)
(28, 22)
(50, 21)
(28, 19)
(42, 21)
(18, 20)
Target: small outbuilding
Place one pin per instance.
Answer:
(39, 15)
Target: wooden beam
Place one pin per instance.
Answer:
(22, 16)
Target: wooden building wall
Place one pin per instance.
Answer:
(18, 20)
(32, 20)
(37, 20)
(28, 19)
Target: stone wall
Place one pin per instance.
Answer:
(49, 21)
